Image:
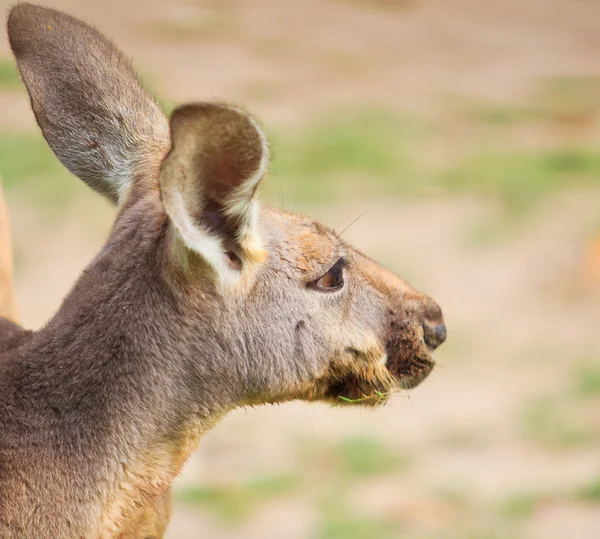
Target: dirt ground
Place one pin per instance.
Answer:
(503, 440)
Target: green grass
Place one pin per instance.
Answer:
(520, 179)
(571, 100)
(375, 154)
(28, 164)
(554, 422)
(587, 379)
(590, 492)
(329, 471)
(521, 505)
(26, 156)
(233, 503)
(565, 419)
(345, 157)
(499, 116)
(558, 101)
(352, 459)
(478, 526)
(361, 456)
(9, 75)
(484, 231)
(341, 522)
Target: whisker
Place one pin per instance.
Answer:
(359, 217)
(340, 223)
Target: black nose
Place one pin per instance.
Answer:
(434, 328)
(434, 335)
(440, 333)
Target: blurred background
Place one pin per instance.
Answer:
(458, 140)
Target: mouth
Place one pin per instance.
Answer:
(416, 376)
(410, 358)
(409, 354)
(370, 378)
(368, 381)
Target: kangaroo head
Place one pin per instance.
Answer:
(271, 306)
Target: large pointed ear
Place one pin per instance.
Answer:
(91, 108)
(208, 183)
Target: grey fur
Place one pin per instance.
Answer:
(101, 407)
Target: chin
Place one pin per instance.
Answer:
(418, 375)
(372, 386)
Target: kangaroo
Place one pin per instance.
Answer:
(201, 300)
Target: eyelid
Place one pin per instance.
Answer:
(341, 263)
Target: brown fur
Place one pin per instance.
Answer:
(202, 300)
(316, 250)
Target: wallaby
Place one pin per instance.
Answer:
(202, 300)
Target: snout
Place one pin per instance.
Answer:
(412, 327)
(417, 328)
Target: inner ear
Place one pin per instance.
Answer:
(226, 146)
(209, 180)
(234, 260)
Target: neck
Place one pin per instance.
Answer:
(110, 383)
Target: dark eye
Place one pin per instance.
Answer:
(334, 278)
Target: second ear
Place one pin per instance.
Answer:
(209, 179)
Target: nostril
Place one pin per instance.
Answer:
(434, 335)
(440, 333)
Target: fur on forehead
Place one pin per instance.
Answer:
(305, 243)
(314, 250)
